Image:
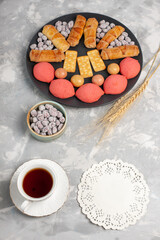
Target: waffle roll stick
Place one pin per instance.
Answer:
(77, 31)
(46, 55)
(57, 38)
(110, 36)
(90, 33)
(120, 52)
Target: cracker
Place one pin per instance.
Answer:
(70, 61)
(84, 66)
(96, 60)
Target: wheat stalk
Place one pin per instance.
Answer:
(119, 108)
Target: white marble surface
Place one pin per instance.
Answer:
(135, 140)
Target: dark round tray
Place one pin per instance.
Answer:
(82, 50)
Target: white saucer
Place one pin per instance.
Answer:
(49, 205)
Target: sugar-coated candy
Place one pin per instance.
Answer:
(128, 39)
(60, 127)
(48, 42)
(102, 22)
(121, 38)
(36, 48)
(39, 112)
(103, 25)
(124, 42)
(44, 38)
(118, 44)
(105, 30)
(39, 125)
(64, 33)
(107, 23)
(50, 119)
(64, 23)
(35, 119)
(112, 25)
(110, 46)
(39, 39)
(49, 132)
(125, 34)
(63, 28)
(33, 46)
(59, 28)
(41, 107)
(45, 123)
(59, 114)
(98, 35)
(36, 129)
(97, 40)
(108, 28)
(62, 119)
(40, 48)
(40, 117)
(52, 125)
(57, 123)
(99, 30)
(67, 30)
(102, 35)
(54, 130)
(53, 113)
(43, 133)
(70, 24)
(40, 44)
(58, 23)
(45, 129)
(32, 125)
(113, 43)
(31, 119)
(132, 43)
(48, 106)
(34, 113)
(46, 113)
(44, 47)
(40, 34)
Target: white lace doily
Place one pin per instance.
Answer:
(113, 194)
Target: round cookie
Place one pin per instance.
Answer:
(129, 67)
(43, 72)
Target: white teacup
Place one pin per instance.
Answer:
(28, 199)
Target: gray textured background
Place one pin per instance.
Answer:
(136, 139)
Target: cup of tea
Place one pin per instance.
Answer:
(36, 183)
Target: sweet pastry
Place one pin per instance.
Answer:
(62, 88)
(57, 38)
(110, 36)
(89, 93)
(129, 67)
(43, 72)
(77, 31)
(115, 84)
(46, 55)
(90, 33)
(120, 52)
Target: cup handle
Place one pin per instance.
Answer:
(25, 204)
